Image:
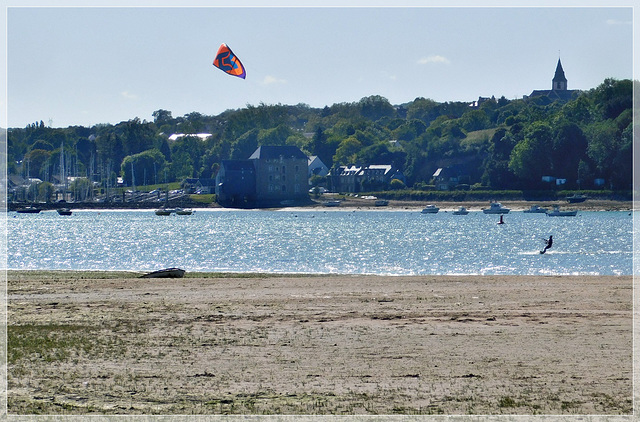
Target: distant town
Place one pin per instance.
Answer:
(554, 141)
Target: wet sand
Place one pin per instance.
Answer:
(111, 343)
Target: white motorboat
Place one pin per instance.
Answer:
(461, 211)
(430, 209)
(184, 211)
(496, 208)
(556, 212)
(536, 209)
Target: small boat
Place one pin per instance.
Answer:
(536, 209)
(576, 198)
(64, 211)
(165, 211)
(557, 213)
(184, 211)
(166, 273)
(29, 209)
(430, 209)
(496, 208)
(461, 211)
(334, 203)
(381, 203)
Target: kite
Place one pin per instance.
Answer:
(228, 62)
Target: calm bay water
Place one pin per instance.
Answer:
(322, 241)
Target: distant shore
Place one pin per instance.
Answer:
(351, 202)
(93, 343)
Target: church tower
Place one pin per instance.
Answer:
(559, 82)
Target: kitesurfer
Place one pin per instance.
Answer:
(548, 245)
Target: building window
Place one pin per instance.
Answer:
(283, 169)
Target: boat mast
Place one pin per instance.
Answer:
(63, 179)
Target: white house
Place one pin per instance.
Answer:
(317, 167)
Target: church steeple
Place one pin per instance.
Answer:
(559, 81)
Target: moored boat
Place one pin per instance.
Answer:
(496, 208)
(536, 209)
(165, 211)
(184, 211)
(576, 198)
(64, 211)
(430, 209)
(556, 212)
(333, 203)
(29, 209)
(461, 211)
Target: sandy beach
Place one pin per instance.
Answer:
(112, 343)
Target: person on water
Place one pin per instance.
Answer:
(548, 245)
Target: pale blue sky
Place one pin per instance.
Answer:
(88, 65)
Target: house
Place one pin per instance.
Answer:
(272, 176)
(369, 178)
(317, 167)
(447, 178)
(200, 186)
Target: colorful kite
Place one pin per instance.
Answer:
(228, 62)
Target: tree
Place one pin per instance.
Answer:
(396, 184)
(375, 107)
(346, 152)
(45, 191)
(569, 148)
(245, 145)
(531, 158)
(149, 165)
(161, 117)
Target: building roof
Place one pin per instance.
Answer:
(237, 165)
(361, 170)
(554, 94)
(559, 76)
(202, 136)
(274, 152)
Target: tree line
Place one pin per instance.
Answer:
(499, 144)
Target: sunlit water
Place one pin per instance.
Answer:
(322, 241)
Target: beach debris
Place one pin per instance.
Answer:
(165, 273)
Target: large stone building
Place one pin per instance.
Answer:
(272, 176)
(281, 174)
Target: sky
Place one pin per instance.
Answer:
(80, 63)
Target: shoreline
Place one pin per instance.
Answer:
(351, 202)
(318, 345)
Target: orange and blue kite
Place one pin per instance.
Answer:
(228, 62)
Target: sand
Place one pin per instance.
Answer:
(111, 343)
